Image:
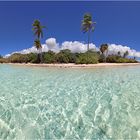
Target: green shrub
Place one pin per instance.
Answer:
(32, 58)
(102, 58)
(87, 58)
(65, 56)
(62, 58)
(119, 59)
(23, 58)
(3, 60)
(18, 58)
(126, 60)
(112, 58)
(49, 57)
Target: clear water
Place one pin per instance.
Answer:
(57, 103)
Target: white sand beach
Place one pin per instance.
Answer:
(72, 65)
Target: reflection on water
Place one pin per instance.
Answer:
(55, 103)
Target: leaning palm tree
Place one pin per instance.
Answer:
(88, 26)
(104, 49)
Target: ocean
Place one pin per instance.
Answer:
(69, 103)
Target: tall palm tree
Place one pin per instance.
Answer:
(88, 26)
(104, 49)
(38, 32)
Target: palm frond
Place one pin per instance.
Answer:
(87, 23)
(37, 28)
(37, 44)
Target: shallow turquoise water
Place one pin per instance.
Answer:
(62, 103)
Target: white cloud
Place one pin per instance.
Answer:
(51, 42)
(76, 46)
(52, 45)
(137, 54)
(44, 48)
(114, 49)
(7, 55)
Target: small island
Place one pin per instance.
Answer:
(90, 56)
(68, 58)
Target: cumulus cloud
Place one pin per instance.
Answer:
(114, 49)
(51, 42)
(25, 51)
(50, 45)
(76, 46)
(7, 55)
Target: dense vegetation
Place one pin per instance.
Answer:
(119, 59)
(87, 58)
(65, 56)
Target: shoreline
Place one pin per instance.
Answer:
(72, 65)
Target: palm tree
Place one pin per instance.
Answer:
(38, 46)
(88, 26)
(38, 32)
(103, 49)
(38, 29)
(125, 54)
(119, 53)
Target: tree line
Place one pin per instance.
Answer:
(66, 56)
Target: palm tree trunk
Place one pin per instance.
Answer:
(38, 58)
(106, 54)
(41, 60)
(105, 57)
(88, 40)
(40, 53)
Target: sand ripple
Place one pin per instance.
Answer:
(52, 103)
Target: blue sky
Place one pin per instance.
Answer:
(117, 22)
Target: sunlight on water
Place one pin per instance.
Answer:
(56, 103)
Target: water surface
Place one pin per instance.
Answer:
(67, 103)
